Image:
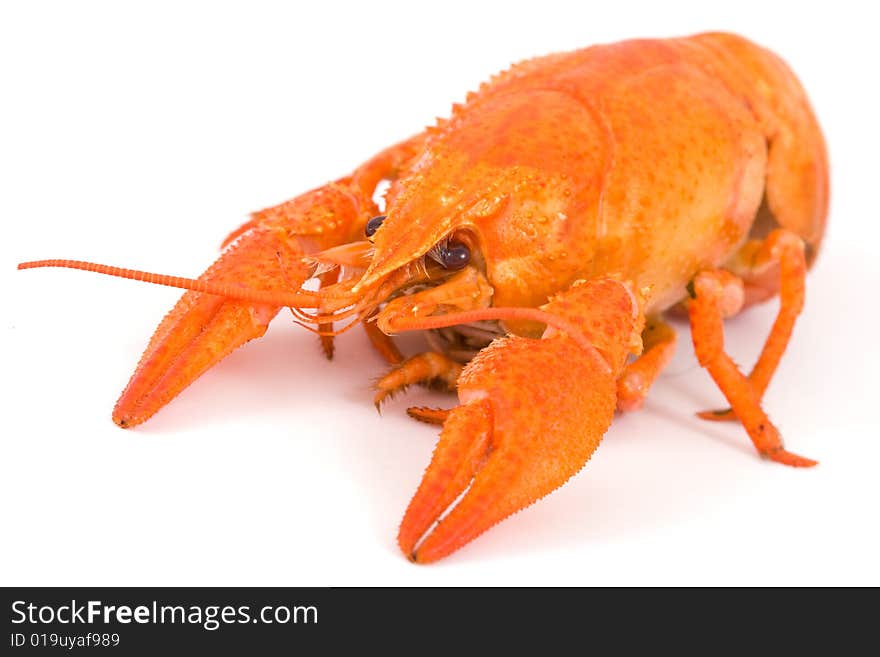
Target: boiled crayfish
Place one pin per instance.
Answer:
(538, 236)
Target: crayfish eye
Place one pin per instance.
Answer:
(455, 256)
(373, 225)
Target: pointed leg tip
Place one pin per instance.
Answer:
(380, 398)
(435, 416)
(796, 461)
(382, 395)
(720, 415)
(790, 459)
(801, 462)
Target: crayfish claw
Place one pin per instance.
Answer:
(533, 412)
(518, 436)
(202, 329)
(463, 446)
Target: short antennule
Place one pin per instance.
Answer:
(300, 299)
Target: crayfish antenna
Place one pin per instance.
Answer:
(301, 299)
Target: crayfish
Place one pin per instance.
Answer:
(538, 236)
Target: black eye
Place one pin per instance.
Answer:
(373, 225)
(455, 256)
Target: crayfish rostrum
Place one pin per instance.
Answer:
(538, 236)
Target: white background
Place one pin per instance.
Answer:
(140, 137)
